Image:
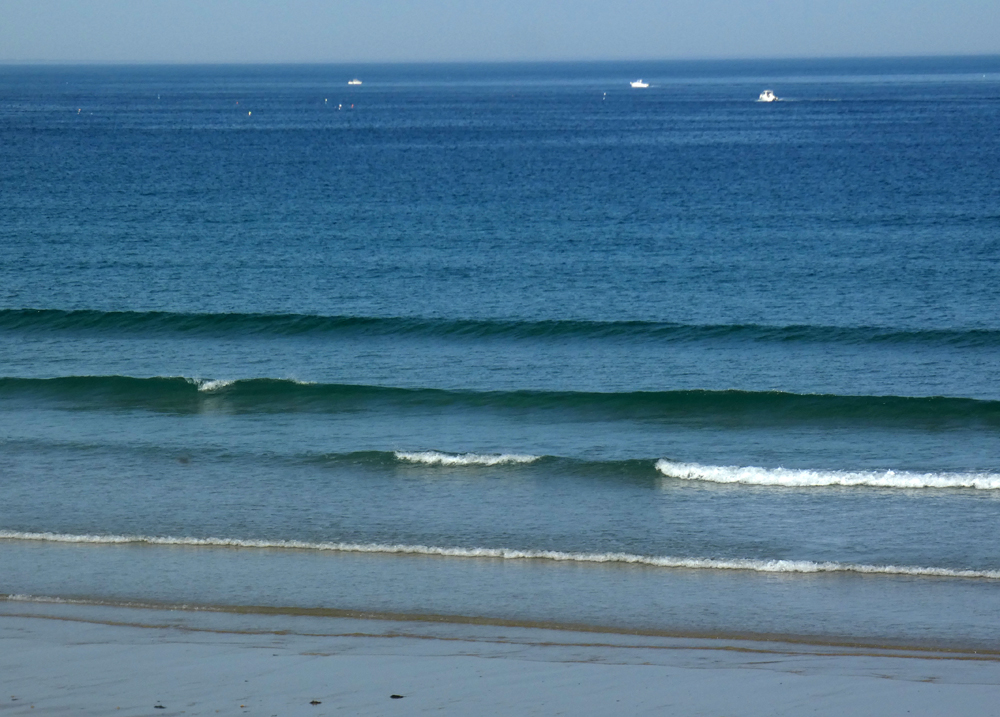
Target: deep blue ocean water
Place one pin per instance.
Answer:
(509, 341)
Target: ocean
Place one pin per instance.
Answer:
(508, 343)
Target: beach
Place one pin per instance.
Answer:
(506, 388)
(101, 661)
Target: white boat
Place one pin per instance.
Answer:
(354, 82)
(767, 96)
(639, 83)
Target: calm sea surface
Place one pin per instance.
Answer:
(509, 341)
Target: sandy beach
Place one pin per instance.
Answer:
(94, 660)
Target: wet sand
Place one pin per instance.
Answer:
(90, 660)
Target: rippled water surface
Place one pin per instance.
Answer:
(509, 341)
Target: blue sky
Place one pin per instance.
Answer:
(490, 30)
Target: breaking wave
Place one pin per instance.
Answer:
(436, 458)
(760, 566)
(211, 385)
(753, 475)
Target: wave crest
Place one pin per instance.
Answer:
(753, 475)
(682, 406)
(436, 458)
(754, 565)
(208, 385)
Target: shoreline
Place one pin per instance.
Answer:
(96, 660)
(40, 603)
(827, 608)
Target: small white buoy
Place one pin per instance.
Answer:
(248, 114)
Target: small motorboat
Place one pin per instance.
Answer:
(354, 82)
(767, 96)
(639, 83)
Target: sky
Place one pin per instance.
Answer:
(269, 31)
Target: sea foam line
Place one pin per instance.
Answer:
(760, 566)
(753, 475)
(437, 458)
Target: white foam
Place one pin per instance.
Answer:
(760, 566)
(212, 384)
(17, 597)
(47, 599)
(436, 458)
(752, 475)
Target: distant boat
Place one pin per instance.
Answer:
(354, 82)
(767, 96)
(639, 83)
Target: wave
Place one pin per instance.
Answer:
(151, 323)
(645, 471)
(211, 385)
(752, 475)
(748, 564)
(693, 406)
(436, 458)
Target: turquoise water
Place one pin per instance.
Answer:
(511, 341)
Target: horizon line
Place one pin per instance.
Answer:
(551, 61)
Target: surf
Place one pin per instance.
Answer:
(513, 554)
(437, 458)
(800, 478)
